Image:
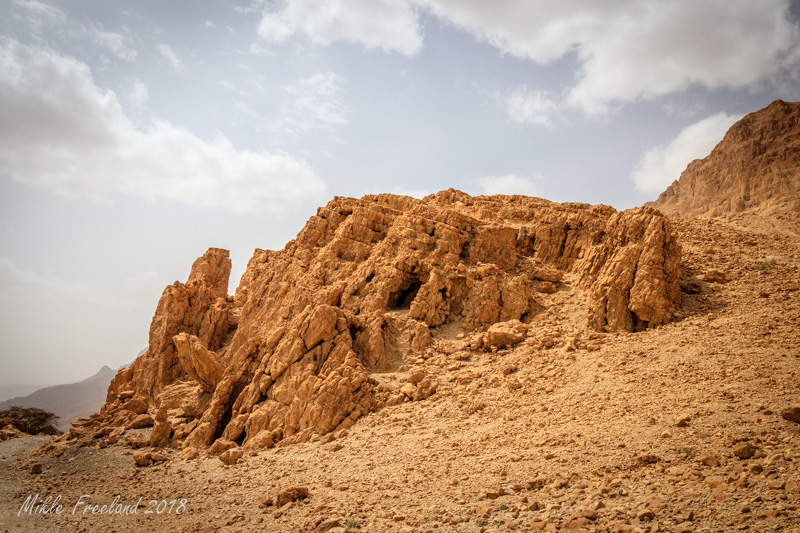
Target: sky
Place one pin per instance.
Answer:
(135, 135)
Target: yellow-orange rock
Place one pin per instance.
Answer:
(201, 364)
(360, 290)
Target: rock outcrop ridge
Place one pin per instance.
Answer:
(756, 166)
(296, 352)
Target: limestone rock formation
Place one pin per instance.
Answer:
(296, 352)
(755, 166)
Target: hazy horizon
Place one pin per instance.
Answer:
(136, 136)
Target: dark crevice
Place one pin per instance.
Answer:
(638, 323)
(402, 298)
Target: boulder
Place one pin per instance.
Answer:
(200, 363)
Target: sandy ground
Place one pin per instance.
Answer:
(629, 432)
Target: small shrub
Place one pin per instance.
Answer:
(483, 522)
(689, 452)
(38, 420)
(352, 523)
(504, 507)
(763, 265)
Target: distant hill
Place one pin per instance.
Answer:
(756, 167)
(71, 401)
(13, 390)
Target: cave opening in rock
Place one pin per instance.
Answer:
(638, 323)
(402, 298)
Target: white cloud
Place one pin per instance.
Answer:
(632, 49)
(62, 133)
(114, 42)
(313, 103)
(625, 50)
(382, 24)
(37, 12)
(258, 50)
(532, 106)
(172, 58)
(140, 95)
(661, 165)
(509, 184)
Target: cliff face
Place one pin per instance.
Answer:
(298, 351)
(755, 166)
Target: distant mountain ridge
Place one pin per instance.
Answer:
(70, 401)
(756, 167)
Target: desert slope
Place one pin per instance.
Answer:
(677, 428)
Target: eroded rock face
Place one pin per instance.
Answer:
(201, 364)
(199, 307)
(753, 167)
(359, 291)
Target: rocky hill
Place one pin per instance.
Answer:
(686, 427)
(756, 166)
(469, 364)
(299, 350)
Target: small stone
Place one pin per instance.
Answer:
(513, 384)
(416, 377)
(141, 421)
(710, 460)
(578, 523)
(329, 524)
(290, 494)
(221, 445)
(158, 457)
(591, 514)
(232, 456)
(666, 435)
(35, 468)
(597, 505)
(743, 451)
(715, 276)
(189, 453)
(645, 515)
(484, 510)
(682, 421)
(142, 458)
(774, 459)
(792, 414)
(691, 287)
(547, 287)
(408, 389)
